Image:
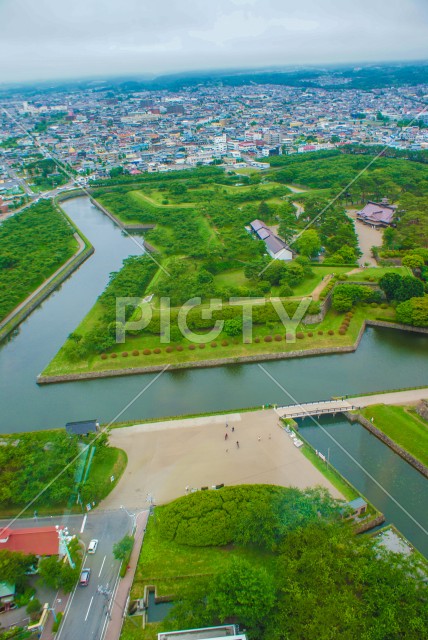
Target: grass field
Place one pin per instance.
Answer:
(308, 285)
(378, 272)
(403, 425)
(111, 462)
(233, 278)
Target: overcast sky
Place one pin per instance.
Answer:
(41, 39)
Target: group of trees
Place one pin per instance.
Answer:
(346, 295)
(33, 244)
(28, 463)
(56, 574)
(336, 170)
(131, 281)
(401, 288)
(325, 582)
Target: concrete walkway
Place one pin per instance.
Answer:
(411, 396)
(120, 598)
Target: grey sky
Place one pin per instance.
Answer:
(42, 39)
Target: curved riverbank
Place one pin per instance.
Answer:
(220, 362)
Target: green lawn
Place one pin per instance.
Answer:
(233, 278)
(378, 272)
(403, 425)
(108, 462)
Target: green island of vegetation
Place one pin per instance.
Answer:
(281, 562)
(205, 250)
(34, 243)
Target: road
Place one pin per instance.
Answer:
(22, 183)
(85, 616)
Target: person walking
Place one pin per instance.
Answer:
(237, 444)
(225, 436)
(259, 438)
(233, 429)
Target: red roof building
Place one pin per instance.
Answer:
(42, 541)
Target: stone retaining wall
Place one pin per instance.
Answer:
(315, 318)
(202, 364)
(396, 325)
(370, 524)
(357, 417)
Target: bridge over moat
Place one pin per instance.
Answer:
(314, 409)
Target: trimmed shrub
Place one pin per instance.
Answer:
(267, 338)
(278, 337)
(384, 305)
(157, 350)
(113, 355)
(342, 332)
(330, 332)
(147, 352)
(192, 347)
(124, 354)
(224, 343)
(213, 344)
(135, 352)
(289, 337)
(257, 340)
(300, 335)
(169, 349)
(179, 347)
(320, 333)
(103, 356)
(310, 334)
(202, 345)
(374, 305)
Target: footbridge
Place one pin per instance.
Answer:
(314, 409)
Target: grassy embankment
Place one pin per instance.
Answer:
(403, 425)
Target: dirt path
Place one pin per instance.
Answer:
(166, 457)
(367, 238)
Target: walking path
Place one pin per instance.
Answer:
(409, 396)
(44, 284)
(367, 238)
(120, 598)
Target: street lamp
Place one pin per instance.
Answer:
(133, 517)
(62, 536)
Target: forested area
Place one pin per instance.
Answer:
(386, 177)
(33, 245)
(46, 173)
(29, 461)
(292, 568)
(131, 281)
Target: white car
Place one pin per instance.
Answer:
(92, 546)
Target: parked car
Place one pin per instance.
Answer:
(92, 546)
(84, 577)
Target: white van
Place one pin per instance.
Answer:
(92, 546)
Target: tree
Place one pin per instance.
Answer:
(413, 261)
(390, 283)
(33, 608)
(123, 548)
(242, 591)
(414, 311)
(410, 287)
(13, 565)
(50, 571)
(309, 243)
(233, 327)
